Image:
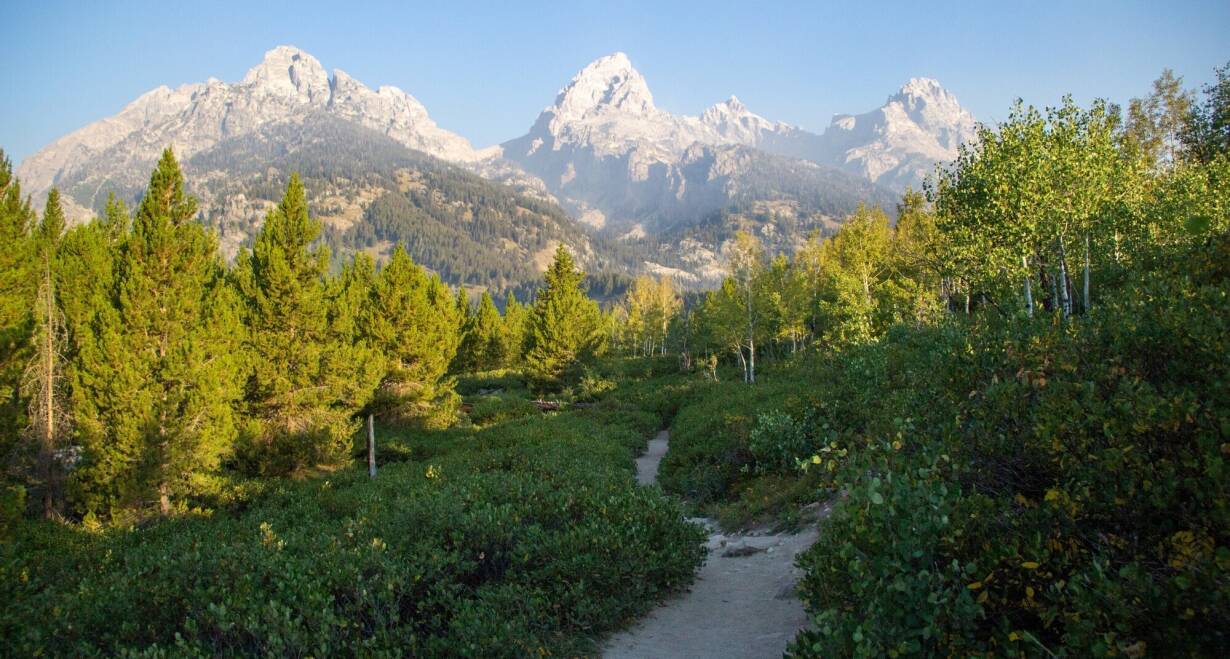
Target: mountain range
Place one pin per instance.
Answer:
(629, 186)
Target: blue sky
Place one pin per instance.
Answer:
(485, 70)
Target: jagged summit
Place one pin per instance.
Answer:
(290, 71)
(922, 87)
(607, 84)
(900, 142)
(735, 123)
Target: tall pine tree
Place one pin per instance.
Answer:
(489, 328)
(96, 358)
(565, 328)
(516, 317)
(301, 391)
(466, 359)
(17, 291)
(166, 399)
(413, 323)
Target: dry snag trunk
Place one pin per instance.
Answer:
(42, 386)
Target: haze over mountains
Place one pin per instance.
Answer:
(645, 189)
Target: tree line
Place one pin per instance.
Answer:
(1045, 212)
(137, 366)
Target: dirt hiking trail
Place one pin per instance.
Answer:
(742, 604)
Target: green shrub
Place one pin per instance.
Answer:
(1032, 487)
(710, 437)
(487, 410)
(12, 505)
(523, 537)
(777, 442)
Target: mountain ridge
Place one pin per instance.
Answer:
(624, 170)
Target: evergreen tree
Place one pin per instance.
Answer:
(565, 328)
(413, 323)
(468, 349)
(350, 298)
(301, 391)
(95, 364)
(16, 301)
(515, 319)
(488, 330)
(168, 407)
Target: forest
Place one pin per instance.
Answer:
(1013, 388)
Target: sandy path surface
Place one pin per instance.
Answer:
(742, 603)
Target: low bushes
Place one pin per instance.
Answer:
(710, 452)
(519, 538)
(488, 410)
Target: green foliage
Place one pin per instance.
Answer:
(162, 391)
(516, 318)
(1155, 123)
(303, 365)
(486, 410)
(1016, 206)
(647, 314)
(1091, 453)
(12, 506)
(1206, 131)
(17, 220)
(565, 327)
(710, 454)
(414, 323)
(43, 381)
(520, 538)
(777, 442)
(485, 344)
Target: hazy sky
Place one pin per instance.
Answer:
(485, 70)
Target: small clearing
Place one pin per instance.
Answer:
(743, 603)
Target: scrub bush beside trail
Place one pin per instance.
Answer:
(519, 538)
(1023, 487)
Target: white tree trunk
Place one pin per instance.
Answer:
(1085, 296)
(1064, 297)
(1029, 296)
(752, 363)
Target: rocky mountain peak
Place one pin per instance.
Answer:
(289, 71)
(734, 122)
(607, 84)
(734, 105)
(922, 88)
(899, 143)
(928, 103)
